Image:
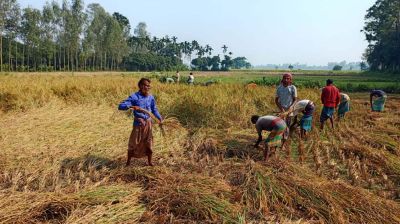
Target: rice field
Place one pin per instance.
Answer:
(63, 149)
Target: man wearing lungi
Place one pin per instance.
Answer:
(330, 99)
(377, 99)
(344, 105)
(276, 126)
(141, 138)
(306, 107)
(286, 95)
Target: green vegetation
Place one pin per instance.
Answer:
(349, 81)
(68, 37)
(382, 31)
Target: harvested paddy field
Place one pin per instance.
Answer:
(63, 149)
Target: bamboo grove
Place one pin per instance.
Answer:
(70, 37)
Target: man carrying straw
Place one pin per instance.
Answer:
(276, 126)
(377, 99)
(141, 138)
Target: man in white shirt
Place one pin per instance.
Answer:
(286, 95)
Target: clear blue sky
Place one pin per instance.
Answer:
(265, 31)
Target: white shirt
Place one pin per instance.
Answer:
(299, 106)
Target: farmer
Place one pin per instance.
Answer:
(306, 107)
(344, 105)
(377, 99)
(330, 98)
(169, 80)
(190, 80)
(178, 77)
(276, 126)
(141, 138)
(286, 95)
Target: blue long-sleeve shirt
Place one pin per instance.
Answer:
(146, 102)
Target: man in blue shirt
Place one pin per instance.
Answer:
(141, 138)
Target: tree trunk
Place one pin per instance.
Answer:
(16, 56)
(27, 64)
(77, 60)
(9, 54)
(101, 61)
(23, 57)
(1, 53)
(64, 58)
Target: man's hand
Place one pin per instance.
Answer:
(135, 108)
(142, 122)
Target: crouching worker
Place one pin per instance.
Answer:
(141, 138)
(276, 126)
(306, 107)
(377, 99)
(344, 105)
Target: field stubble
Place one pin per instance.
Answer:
(63, 146)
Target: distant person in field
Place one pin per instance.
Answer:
(178, 77)
(377, 99)
(141, 138)
(169, 80)
(344, 105)
(190, 80)
(286, 96)
(276, 126)
(330, 98)
(251, 85)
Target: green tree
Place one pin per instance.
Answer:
(240, 62)
(141, 30)
(363, 66)
(30, 31)
(227, 63)
(8, 18)
(337, 68)
(382, 31)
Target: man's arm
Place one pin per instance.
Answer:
(278, 104)
(370, 100)
(126, 104)
(258, 140)
(294, 95)
(337, 99)
(323, 95)
(154, 109)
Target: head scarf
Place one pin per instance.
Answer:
(289, 75)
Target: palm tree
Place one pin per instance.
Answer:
(209, 49)
(225, 48)
(174, 38)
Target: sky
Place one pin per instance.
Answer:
(312, 32)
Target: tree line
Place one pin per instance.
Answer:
(70, 37)
(382, 31)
